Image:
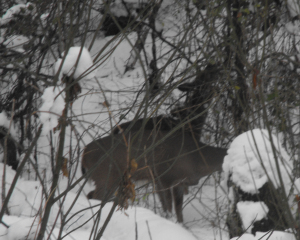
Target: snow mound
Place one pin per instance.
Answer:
(143, 223)
(135, 221)
(84, 68)
(251, 161)
(27, 200)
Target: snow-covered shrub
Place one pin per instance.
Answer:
(252, 161)
(255, 163)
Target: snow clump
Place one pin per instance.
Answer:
(52, 108)
(84, 68)
(251, 162)
(251, 212)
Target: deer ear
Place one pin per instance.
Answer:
(186, 87)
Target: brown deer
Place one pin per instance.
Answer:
(172, 162)
(171, 157)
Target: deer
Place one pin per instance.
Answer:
(171, 157)
(172, 162)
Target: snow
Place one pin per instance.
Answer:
(293, 7)
(118, 9)
(23, 229)
(5, 122)
(137, 220)
(147, 224)
(44, 19)
(27, 198)
(115, 64)
(123, 225)
(52, 108)
(53, 97)
(14, 10)
(16, 42)
(251, 212)
(293, 27)
(83, 68)
(252, 162)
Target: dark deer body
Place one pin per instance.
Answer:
(172, 159)
(175, 161)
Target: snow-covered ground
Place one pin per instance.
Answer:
(106, 94)
(26, 202)
(205, 209)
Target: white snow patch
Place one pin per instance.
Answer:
(293, 7)
(26, 197)
(293, 27)
(15, 10)
(251, 161)
(5, 121)
(79, 218)
(84, 68)
(143, 222)
(251, 212)
(119, 53)
(16, 42)
(118, 10)
(125, 226)
(51, 110)
(44, 18)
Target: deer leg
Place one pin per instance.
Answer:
(178, 192)
(166, 200)
(165, 196)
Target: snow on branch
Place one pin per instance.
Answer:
(251, 161)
